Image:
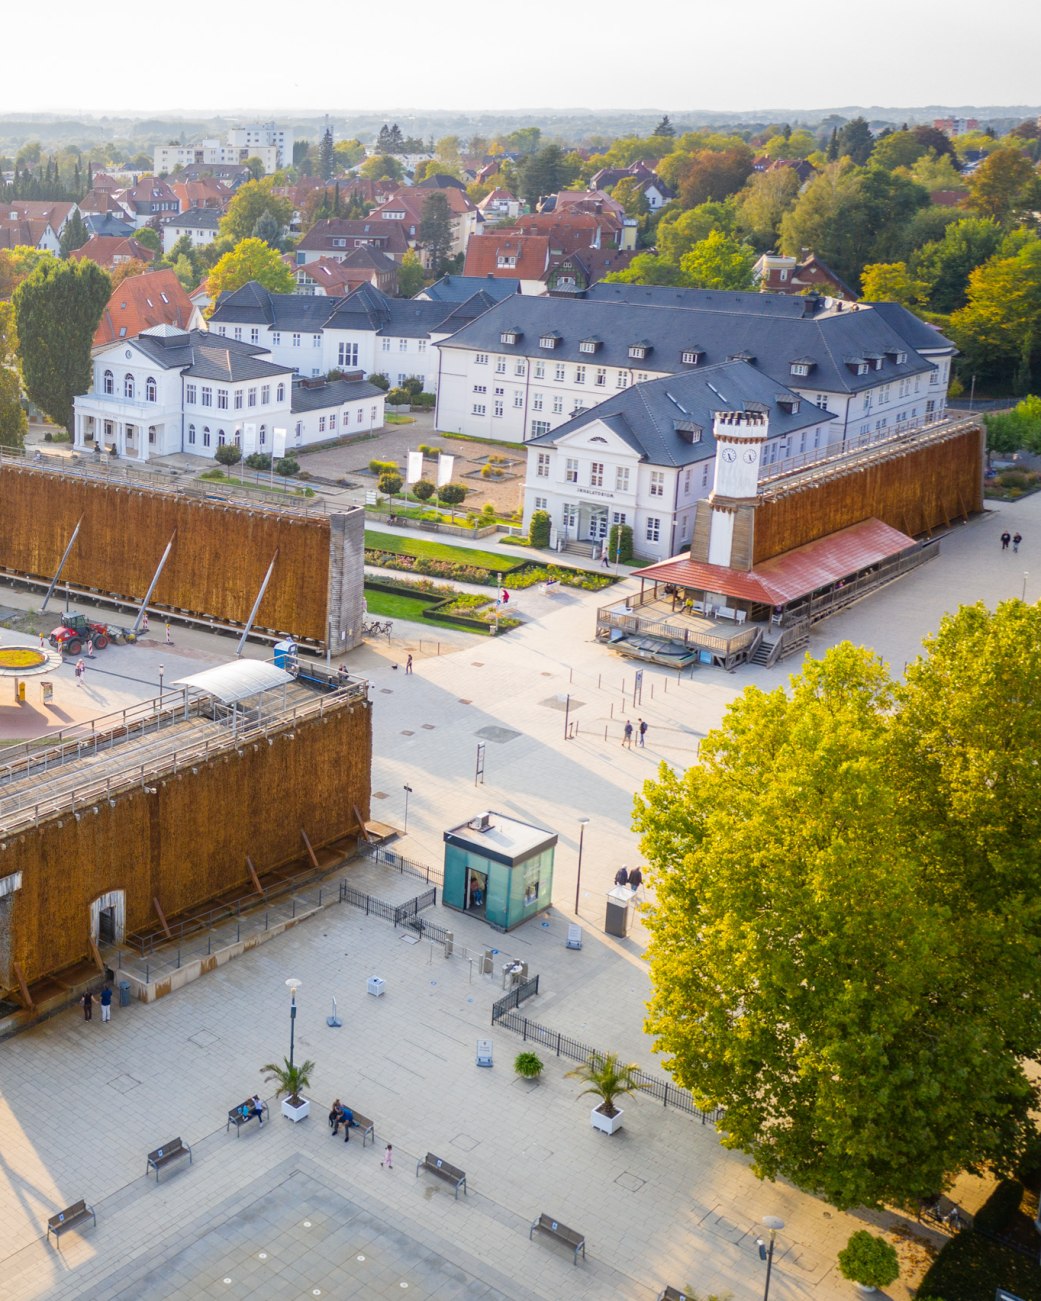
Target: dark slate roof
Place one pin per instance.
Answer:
(107, 223)
(918, 333)
(439, 181)
(718, 299)
(723, 325)
(646, 416)
(455, 289)
(206, 356)
(309, 396)
(195, 219)
(367, 308)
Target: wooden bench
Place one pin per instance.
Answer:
(69, 1218)
(450, 1173)
(243, 1114)
(576, 1241)
(162, 1156)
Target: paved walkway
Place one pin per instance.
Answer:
(285, 1212)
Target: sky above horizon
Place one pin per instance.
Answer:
(684, 55)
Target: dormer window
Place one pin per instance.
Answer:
(801, 366)
(590, 344)
(688, 431)
(692, 356)
(790, 405)
(549, 340)
(639, 350)
(858, 365)
(511, 336)
(898, 355)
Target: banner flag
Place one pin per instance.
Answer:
(444, 469)
(415, 467)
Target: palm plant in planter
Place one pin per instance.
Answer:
(291, 1080)
(607, 1079)
(869, 1261)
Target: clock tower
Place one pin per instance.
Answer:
(739, 436)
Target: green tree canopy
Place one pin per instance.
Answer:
(382, 167)
(250, 259)
(847, 929)
(999, 328)
(678, 231)
(719, 262)
(891, 282)
(763, 202)
(650, 269)
(411, 276)
(149, 238)
(435, 230)
(326, 155)
(17, 264)
(1004, 185)
(75, 234)
(250, 203)
(855, 141)
(945, 264)
(57, 310)
(898, 149)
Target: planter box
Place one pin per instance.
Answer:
(296, 1113)
(606, 1124)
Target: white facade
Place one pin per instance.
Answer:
(514, 398)
(592, 479)
(145, 410)
(264, 135)
(214, 153)
(199, 235)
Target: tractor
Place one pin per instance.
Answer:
(74, 631)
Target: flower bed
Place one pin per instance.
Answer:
(527, 574)
(21, 657)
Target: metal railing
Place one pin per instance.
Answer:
(526, 989)
(668, 1094)
(401, 914)
(404, 866)
(608, 618)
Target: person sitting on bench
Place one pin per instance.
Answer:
(346, 1119)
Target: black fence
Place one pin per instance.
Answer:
(669, 1095)
(403, 866)
(526, 989)
(430, 930)
(401, 914)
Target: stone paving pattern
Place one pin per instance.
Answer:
(661, 1201)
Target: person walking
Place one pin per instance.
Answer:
(642, 730)
(627, 738)
(505, 597)
(1017, 538)
(88, 1005)
(80, 669)
(635, 880)
(1006, 538)
(621, 877)
(144, 622)
(408, 663)
(257, 1108)
(106, 1003)
(388, 1157)
(169, 639)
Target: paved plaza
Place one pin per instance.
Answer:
(287, 1211)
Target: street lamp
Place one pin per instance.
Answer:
(582, 824)
(408, 792)
(162, 670)
(767, 1252)
(1026, 575)
(293, 985)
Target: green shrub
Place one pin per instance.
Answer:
(1013, 479)
(380, 380)
(425, 401)
(258, 461)
(422, 490)
(869, 1260)
(620, 543)
(489, 472)
(488, 511)
(528, 1065)
(383, 467)
(286, 466)
(995, 1215)
(427, 450)
(452, 494)
(539, 528)
(399, 397)
(390, 482)
(413, 386)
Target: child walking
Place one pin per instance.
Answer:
(388, 1157)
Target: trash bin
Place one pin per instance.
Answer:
(376, 986)
(616, 921)
(124, 993)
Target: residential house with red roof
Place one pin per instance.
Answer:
(335, 237)
(141, 302)
(111, 251)
(332, 278)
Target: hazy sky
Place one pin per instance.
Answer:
(672, 55)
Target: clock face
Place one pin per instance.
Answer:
(729, 454)
(751, 456)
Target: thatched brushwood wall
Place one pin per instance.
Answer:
(218, 562)
(915, 493)
(188, 842)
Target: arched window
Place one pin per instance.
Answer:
(205, 435)
(128, 386)
(280, 393)
(221, 438)
(263, 436)
(191, 434)
(151, 391)
(107, 383)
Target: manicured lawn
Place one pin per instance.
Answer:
(399, 546)
(394, 605)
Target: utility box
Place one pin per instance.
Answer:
(376, 986)
(616, 922)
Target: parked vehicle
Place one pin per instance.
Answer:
(75, 630)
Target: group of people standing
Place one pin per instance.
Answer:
(1015, 538)
(104, 998)
(640, 731)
